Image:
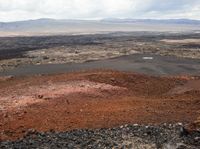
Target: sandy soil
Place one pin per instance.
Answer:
(182, 41)
(94, 99)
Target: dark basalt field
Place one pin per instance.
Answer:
(20, 51)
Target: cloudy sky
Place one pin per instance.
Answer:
(15, 10)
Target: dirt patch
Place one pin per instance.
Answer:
(191, 85)
(94, 99)
(37, 94)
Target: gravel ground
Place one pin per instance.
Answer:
(135, 136)
(24, 51)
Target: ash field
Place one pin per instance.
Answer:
(16, 52)
(110, 90)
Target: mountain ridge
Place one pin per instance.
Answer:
(117, 20)
(47, 26)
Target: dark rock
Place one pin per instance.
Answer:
(127, 136)
(183, 132)
(40, 96)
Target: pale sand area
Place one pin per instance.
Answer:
(182, 41)
(98, 28)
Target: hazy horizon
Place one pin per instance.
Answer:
(49, 17)
(100, 19)
(15, 10)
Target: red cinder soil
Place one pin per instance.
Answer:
(94, 99)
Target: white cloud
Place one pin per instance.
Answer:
(12, 10)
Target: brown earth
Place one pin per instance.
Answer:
(94, 99)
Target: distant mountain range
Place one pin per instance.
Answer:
(108, 20)
(154, 21)
(52, 26)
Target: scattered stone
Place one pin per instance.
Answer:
(67, 102)
(40, 96)
(112, 79)
(31, 131)
(180, 124)
(131, 136)
(47, 98)
(45, 57)
(197, 138)
(5, 115)
(183, 132)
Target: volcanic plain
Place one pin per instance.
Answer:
(150, 92)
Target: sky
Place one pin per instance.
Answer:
(16, 10)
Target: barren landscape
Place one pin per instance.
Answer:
(143, 87)
(96, 99)
(99, 74)
(20, 51)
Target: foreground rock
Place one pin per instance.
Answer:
(128, 136)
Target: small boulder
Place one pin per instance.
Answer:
(40, 96)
